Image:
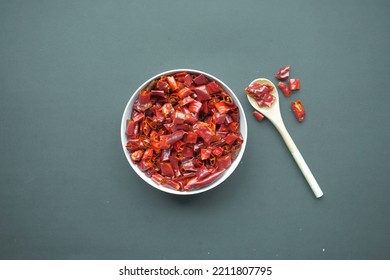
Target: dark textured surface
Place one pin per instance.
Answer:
(68, 68)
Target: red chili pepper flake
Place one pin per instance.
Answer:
(136, 156)
(200, 80)
(213, 87)
(222, 107)
(184, 92)
(166, 169)
(258, 115)
(195, 106)
(267, 99)
(285, 89)
(205, 154)
(217, 151)
(298, 110)
(294, 84)
(283, 73)
(184, 131)
(188, 80)
(191, 138)
(261, 93)
(172, 83)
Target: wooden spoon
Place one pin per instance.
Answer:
(273, 114)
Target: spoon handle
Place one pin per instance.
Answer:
(300, 161)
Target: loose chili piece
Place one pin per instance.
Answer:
(294, 84)
(283, 73)
(298, 110)
(258, 115)
(184, 131)
(285, 89)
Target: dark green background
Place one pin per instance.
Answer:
(68, 68)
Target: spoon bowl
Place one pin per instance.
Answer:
(272, 113)
(274, 116)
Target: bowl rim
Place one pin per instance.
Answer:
(243, 129)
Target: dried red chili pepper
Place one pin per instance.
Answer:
(162, 85)
(217, 152)
(298, 110)
(261, 93)
(294, 84)
(136, 156)
(200, 79)
(224, 162)
(213, 87)
(195, 106)
(256, 90)
(179, 146)
(166, 109)
(202, 172)
(165, 153)
(133, 144)
(267, 99)
(233, 127)
(130, 127)
(184, 92)
(184, 131)
(174, 137)
(205, 154)
(144, 165)
(172, 83)
(188, 152)
(144, 97)
(222, 107)
(137, 116)
(185, 101)
(188, 80)
(283, 73)
(191, 138)
(258, 115)
(285, 89)
(166, 169)
(230, 139)
(201, 93)
(219, 118)
(204, 131)
(148, 154)
(196, 183)
(160, 93)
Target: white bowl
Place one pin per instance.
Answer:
(225, 175)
